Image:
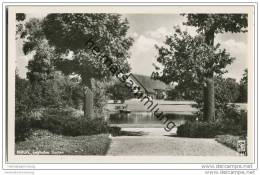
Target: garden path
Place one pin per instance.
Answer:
(157, 142)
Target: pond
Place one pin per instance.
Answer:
(145, 118)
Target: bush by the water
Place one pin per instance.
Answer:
(198, 129)
(63, 122)
(234, 122)
(115, 130)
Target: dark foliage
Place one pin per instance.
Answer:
(23, 105)
(20, 31)
(115, 130)
(220, 23)
(56, 92)
(79, 32)
(22, 128)
(20, 16)
(62, 121)
(226, 91)
(198, 129)
(89, 37)
(119, 91)
(233, 122)
(243, 88)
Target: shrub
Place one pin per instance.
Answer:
(92, 126)
(234, 122)
(63, 121)
(23, 105)
(22, 128)
(31, 97)
(198, 129)
(228, 140)
(115, 130)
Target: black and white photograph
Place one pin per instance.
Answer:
(115, 84)
(131, 84)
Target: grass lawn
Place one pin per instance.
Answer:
(44, 142)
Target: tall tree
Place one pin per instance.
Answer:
(48, 87)
(209, 25)
(42, 66)
(189, 61)
(72, 34)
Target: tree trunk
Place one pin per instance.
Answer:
(209, 100)
(209, 95)
(88, 106)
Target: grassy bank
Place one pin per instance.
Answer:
(44, 142)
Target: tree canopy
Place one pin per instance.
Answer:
(82, 40)
(188, 60)
(218, 22)
(42, 66)
(70, 34)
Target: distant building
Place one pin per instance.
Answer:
(154, 88)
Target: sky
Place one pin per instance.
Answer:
(149, 30)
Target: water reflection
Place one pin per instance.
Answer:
(144, 118)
